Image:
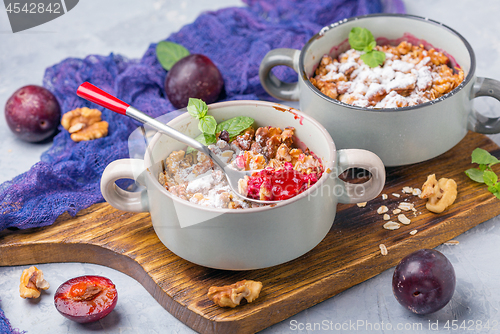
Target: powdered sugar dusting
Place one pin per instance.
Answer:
(410, 75)
(271, 151)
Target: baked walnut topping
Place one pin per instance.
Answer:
(84, 124)
(231, 295)
(32, 282)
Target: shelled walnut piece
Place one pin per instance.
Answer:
(231, 295)
(32, 282)
(84, 124)
(441, 194)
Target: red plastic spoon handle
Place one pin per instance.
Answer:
(90, 92)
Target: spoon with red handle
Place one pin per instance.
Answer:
(100, 97)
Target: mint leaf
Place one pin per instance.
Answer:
(235, 126)
(475, 175)
(484, 174)
(373, 58)
(207, 125)
(495, 190)
(483, 157)
(359, 38)
(370, 46)
(205, 139)
(197, 108)
(169, 53)
(209, 138)
(490, 178)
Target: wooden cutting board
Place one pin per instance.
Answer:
(348, 255)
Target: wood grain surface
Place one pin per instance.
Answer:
(348, 255)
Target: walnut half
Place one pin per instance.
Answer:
(441, 194)
(31, 283)
(84, 124)
(231, 295)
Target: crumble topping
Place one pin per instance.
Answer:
(282, 170)
(410, 75)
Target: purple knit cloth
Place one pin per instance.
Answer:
(236, 39)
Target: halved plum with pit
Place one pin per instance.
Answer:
(86, 298)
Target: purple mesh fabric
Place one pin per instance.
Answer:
(236, 39)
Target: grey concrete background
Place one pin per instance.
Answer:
(127, 27)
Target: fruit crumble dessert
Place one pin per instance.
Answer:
(410, 75)
(283, 170)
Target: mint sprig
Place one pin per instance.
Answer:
(484, 173)
(208, 125)
(361, 39)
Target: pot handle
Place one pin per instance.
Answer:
(274, 86)
(356, 158)
(119, 198)
(480, 123)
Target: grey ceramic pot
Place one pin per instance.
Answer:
(399, 136)
(253, 238)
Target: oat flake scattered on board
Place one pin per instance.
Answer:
(416, 192)
(390, 225)
(405, 206)
(452, 242)
(407, 190)
(396, 195)
(396, 211)
(403, 219)
(383, 249)
(413, 232)
(384, 196)
(386, 216)
(382, 209)
(361, 205)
